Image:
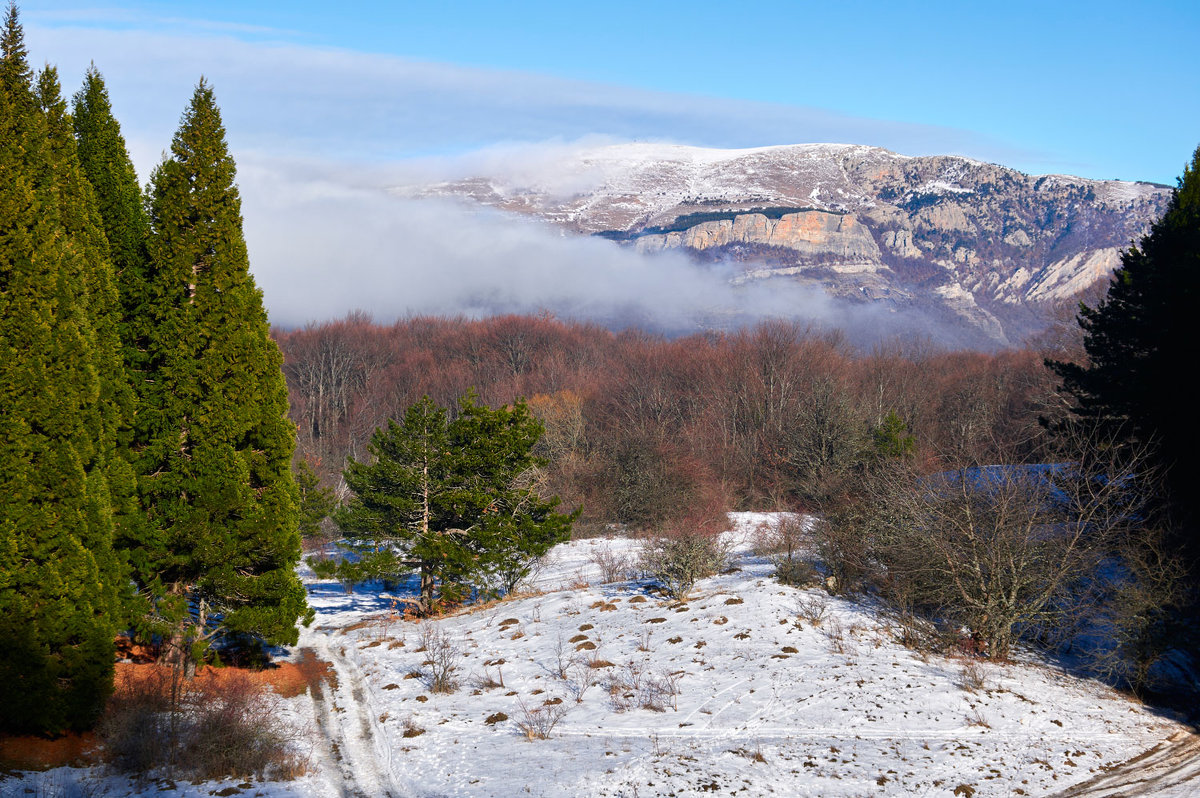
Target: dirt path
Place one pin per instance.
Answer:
(1173, 763)
(353, 752)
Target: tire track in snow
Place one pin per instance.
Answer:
(1173, 762)
(350, 733)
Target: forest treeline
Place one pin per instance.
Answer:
(640, 427)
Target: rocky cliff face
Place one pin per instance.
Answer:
(988, 245)
(806, 232)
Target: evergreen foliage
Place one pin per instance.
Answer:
(213, 442)
(316, 502)
(119, 216)
(1140, 339)
(105, 161)
(106, 164)
(891, 438)
(61, 390)
(453, 500)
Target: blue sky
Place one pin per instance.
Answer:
(327, 108)
(1098, 89)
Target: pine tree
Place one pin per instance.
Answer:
(1140, 339)
(214, 444)
(451, 500)
(58, 389)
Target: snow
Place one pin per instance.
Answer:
(941, 187)
(772, 700)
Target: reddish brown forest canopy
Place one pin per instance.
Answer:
(769, 416)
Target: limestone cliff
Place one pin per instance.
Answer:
(806, 232)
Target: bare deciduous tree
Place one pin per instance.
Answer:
(1002, 549)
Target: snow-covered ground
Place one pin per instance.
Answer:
(741, 690)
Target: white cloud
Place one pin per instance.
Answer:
(320, 133)
(324, 242)
(289, 98)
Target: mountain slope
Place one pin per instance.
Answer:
(988, 245)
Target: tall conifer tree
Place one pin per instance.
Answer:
(105, 163)
(214, 442)
(1140, 339)
(105, 160)
(57, 387)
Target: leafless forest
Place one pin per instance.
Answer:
(640, 427)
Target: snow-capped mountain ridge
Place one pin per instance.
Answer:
(1011, 242)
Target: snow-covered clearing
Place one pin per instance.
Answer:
(749, 688)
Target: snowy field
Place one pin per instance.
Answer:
(750, 688)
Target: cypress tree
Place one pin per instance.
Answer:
(105, 160)
(105, 163)
(214, 444)
(57, 572)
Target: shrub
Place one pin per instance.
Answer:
(688, 548)
(631, 687)
(614, 565)
(444, 659)
(139, 728)
(235, 732)
(783, 543)
(812, 608)
(220, 725)
(537, 723)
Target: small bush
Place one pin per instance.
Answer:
(615, 566)
(444, 659)
(139, 728)
(812, 608)
(411, 728)
(537, 723)
(222, 725)
(679, 560)
(796, 573)
(631, 687)
(783, 543)
(972, 677)
(689, 546)
(836, 635)
(237, 732)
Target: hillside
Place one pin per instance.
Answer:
(749, 688)
(987, 247)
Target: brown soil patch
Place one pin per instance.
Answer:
(39, 753)
(288, 679)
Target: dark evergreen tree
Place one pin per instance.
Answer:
(59, 387)
(891, 438)
(452, 500)
(72, 194)
(1140, 341)
(214, 444)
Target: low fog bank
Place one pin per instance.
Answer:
(325, 241)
